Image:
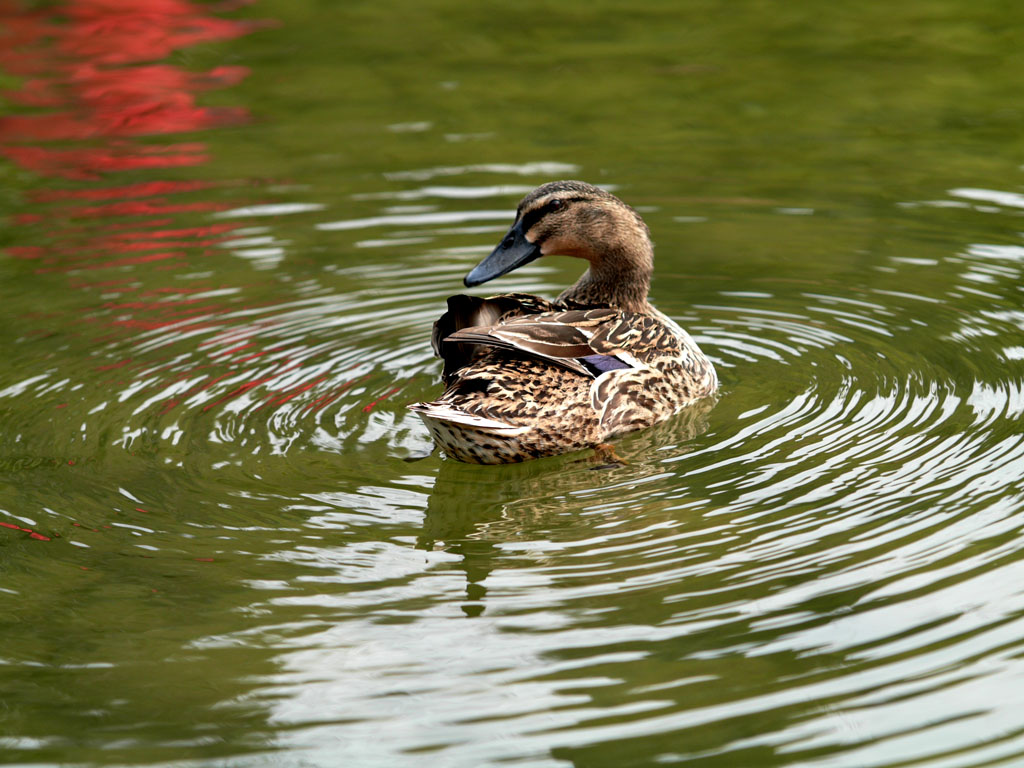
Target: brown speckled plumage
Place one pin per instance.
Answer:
(526, 377)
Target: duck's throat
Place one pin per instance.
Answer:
(623, 287)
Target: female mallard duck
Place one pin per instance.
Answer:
(526, 377)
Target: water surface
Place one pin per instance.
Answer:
(229, 229)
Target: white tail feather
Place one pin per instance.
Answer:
(444, 413)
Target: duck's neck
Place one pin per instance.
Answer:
(620, 277)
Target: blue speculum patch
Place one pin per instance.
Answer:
(598, 364)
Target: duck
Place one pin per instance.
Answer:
(526, 377)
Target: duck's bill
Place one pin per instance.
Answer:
(513, 251)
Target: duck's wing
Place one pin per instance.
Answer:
(634, 336)
(474, 312)
(589, 342)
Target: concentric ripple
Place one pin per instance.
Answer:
(832, 549)
(224, 540)
(822, 567)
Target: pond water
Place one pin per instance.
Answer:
(228, 230)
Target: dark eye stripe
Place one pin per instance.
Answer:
(533, 216)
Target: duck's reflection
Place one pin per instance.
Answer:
(474, 510)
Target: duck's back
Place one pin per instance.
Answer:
(546, 379)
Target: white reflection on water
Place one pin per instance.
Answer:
(448, 192)
(551, 170)
(1010, 199)
(270, 209)
(444, 217)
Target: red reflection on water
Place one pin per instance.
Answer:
(95, 83)
(141, 208)
(92, 63)
(123, 102)
(31, 534)
(370, 406)
(126, 31)
(88, 163)
(93, 74)
(144, 189)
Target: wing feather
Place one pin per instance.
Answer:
(586, 341)
(473, 311)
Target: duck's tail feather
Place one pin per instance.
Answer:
(441, 412)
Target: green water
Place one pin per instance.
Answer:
(221, 544)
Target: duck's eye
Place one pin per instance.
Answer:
(555, 204)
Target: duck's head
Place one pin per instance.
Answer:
(572, 218)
